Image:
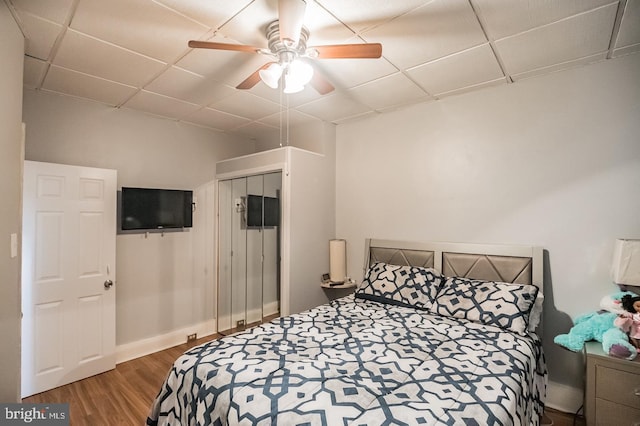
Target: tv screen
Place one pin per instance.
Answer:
(147, 208)
(271, 211)
(262, 211)
(254, 211)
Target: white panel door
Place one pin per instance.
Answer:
(68, 274)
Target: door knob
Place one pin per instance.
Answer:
(107, 284)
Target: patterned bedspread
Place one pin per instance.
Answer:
(358, 362)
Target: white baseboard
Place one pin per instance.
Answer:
(564, 398)
(129, 351)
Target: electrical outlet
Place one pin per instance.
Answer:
(191, 337)
(240, 323)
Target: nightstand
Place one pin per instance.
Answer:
(612, 393)
(348, 284)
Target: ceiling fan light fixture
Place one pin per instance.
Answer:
(296, 75)
(300, 71)
(271, 75)
(291, 86)
(291, 14)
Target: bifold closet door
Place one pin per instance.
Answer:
(254, 257)
(271, 251)
(248, 254)
(239, 254)
(225, 214)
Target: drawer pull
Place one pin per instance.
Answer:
(636, 392)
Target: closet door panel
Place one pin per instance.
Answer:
(225, 212)
(239, 256)
(271, 251)
(254, 258)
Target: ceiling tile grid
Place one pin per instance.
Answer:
(134, 53)
(74, 83)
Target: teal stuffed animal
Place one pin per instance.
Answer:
(600, 326)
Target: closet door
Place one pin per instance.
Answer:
(254, 257)
(248, 251)
(226, 211)
(271, 251)
(239, 254)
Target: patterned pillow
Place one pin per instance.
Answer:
(410, 286)
(488, 302)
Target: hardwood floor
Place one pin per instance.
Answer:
(123, 396)
(564, 419)
(118, 397)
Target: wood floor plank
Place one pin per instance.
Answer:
(118, 397)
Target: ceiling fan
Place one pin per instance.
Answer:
(287, 41)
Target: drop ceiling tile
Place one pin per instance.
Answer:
(561, 66)
(161, 105)
(389, 92)
(140, 25)
(437, 29)
(348, 73)
(629, 34)
(567, 40)
(212, 13)
(88, 55)
(504, 18)
(249, 26)
(244, 104)
(52, 10)
(215, 119)
(360, 15)
(467, 89)
(333, 107)
(34, 70)
(40, 35)
(323, 27)
(467, 68)
(187, 86)
(70, 82)
(288, 118)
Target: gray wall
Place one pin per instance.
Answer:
(552, 161)
(11, 151)
(312, 220)
(158, 280)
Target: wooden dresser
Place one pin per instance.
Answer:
(612, 393)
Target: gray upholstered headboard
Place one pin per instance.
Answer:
(505, 263)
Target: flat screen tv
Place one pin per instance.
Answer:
(262, 211)
(148, 208)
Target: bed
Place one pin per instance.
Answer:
(437, 333)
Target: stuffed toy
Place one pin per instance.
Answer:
(629, 320)
(600, 326)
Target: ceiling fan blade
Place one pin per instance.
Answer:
(320, 83)
(253, 79)
(223, 46)
(333, 51)
(290, 17)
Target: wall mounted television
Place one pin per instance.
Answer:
(258, 205)
(149, 208)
